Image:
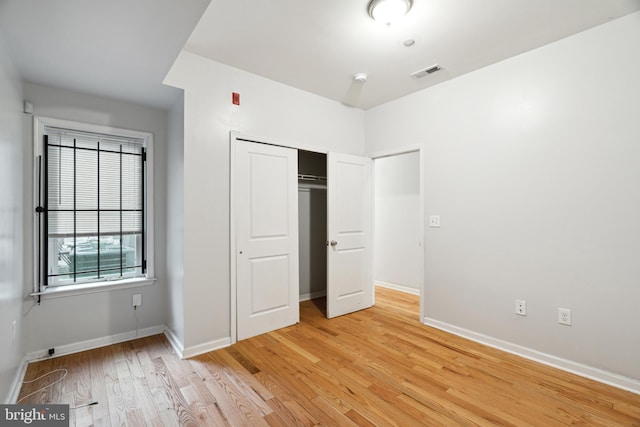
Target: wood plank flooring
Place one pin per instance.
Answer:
(377, 367)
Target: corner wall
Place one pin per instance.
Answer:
(11, 223)
(175, 221)
(74, 319)
(533, 165)
(268, 110)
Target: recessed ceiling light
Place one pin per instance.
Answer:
(409, 42)
(388, 11)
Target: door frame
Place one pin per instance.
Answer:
(233, 262)
(422, 227)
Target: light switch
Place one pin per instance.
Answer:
(434, 221)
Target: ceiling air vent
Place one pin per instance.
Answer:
(426, 71)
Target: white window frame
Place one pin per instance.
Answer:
(39, 124)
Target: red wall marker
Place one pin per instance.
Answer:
(235, 98)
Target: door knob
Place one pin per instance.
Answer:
(334, 243)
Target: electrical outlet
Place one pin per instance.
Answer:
(521, 307)
(564, 316)
(137, 300)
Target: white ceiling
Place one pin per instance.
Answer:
(124, 48)
(317, 46)
(120, 49)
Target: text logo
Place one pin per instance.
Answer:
(34, 415)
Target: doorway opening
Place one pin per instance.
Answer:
(398, 229)
(312, 227)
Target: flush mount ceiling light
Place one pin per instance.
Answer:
(360, 78)
(388, 11)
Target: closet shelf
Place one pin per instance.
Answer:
(312, 178)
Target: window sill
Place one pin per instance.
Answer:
(91, 288)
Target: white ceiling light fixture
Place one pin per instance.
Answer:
(360, 78)
(388, 11)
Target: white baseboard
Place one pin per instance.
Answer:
(16, 385)
(586, 371)
(185, 353)
(206, 347)
(94, 343)
(175, 342)
(313, 295)
(396, 287)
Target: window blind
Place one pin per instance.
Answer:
(94, 184)
(95, 189)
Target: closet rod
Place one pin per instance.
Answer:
(312, 177)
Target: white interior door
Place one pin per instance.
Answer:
(266, 195)
(350, 214)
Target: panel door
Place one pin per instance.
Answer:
(266, 238)
(349, 230)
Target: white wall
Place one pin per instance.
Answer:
(269, 110)
(68, 320)
(175, 220)
(398, 256)
(533, 165)
(11, 221)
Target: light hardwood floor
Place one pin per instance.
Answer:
(376, 367)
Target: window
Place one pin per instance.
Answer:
(92, 193)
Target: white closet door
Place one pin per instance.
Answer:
(266, 238)
(350, 214)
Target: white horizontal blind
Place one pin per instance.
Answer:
(94, 205)
(94, 184)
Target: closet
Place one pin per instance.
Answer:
(312, 224)
(286, 203)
